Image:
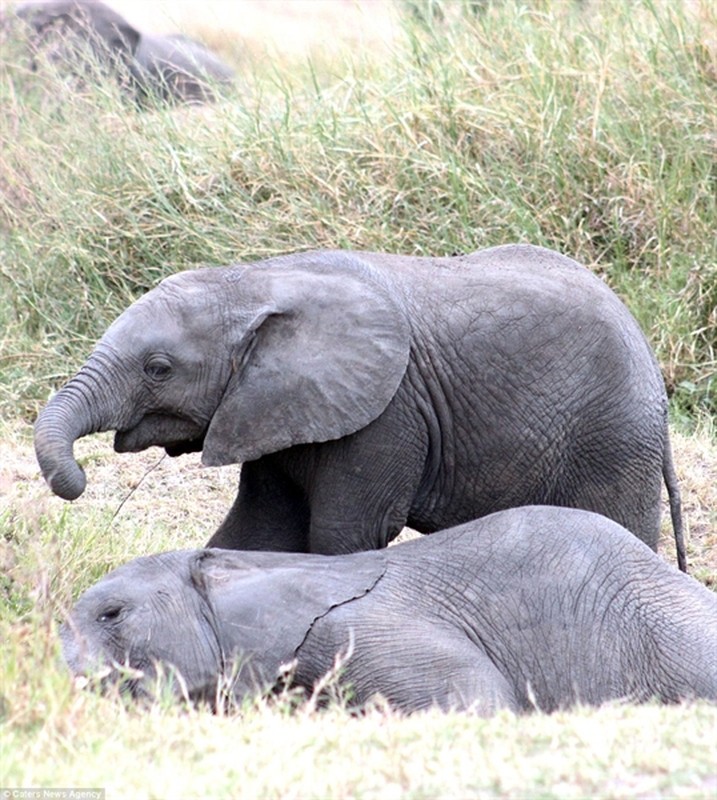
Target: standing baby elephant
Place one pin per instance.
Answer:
(364, 392)
(536, 607)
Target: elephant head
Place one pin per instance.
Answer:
(207, 615)
(107, 633)
(238, 362)
(62, 28)
(172, 67)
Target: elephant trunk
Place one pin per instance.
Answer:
(81, 407)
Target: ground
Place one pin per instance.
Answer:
(157, 491)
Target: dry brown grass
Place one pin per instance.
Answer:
(162, 493)
(696, 462)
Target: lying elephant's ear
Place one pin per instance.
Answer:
(263, 605)
(323, 364)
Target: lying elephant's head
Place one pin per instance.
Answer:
(140, 619)
(236, 362)
(208, 619)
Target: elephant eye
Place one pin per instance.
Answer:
(110, 614)
(157, 369)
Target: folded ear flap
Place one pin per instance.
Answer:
(121, 37)
(264, 604)
(323, 364)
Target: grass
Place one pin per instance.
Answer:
(425, 756)
(53, 734)
(584, 127)
(589, 131)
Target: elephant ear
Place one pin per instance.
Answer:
(329, 352)
(263, 605)
(118, 35)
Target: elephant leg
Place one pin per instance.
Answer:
(442, 669)
(269, 513)
(411, 661)
(628, 493)
(361, 495)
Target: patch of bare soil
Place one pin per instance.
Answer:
(149, 487)
(153, 489)
(696, 463)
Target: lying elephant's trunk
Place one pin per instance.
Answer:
(75, 411)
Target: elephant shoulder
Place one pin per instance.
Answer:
(180, 53)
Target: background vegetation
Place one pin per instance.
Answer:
(589, 128)
(586, 127)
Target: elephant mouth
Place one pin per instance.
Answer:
(175, 449)
(178, 435)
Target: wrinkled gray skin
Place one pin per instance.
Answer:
(171, 67)
(537, 607)
(364, 392)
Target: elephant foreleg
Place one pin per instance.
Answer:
(435, 668)
(413, 664)
(269, 513)
(362, 502)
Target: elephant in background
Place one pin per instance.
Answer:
(530, 608)
(177, 68)
(363, 392)
(82, 35)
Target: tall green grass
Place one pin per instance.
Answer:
(589, 128)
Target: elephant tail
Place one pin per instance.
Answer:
(673, 492)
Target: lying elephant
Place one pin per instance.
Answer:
(365, 392)
(536, 607)
(171, 67)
